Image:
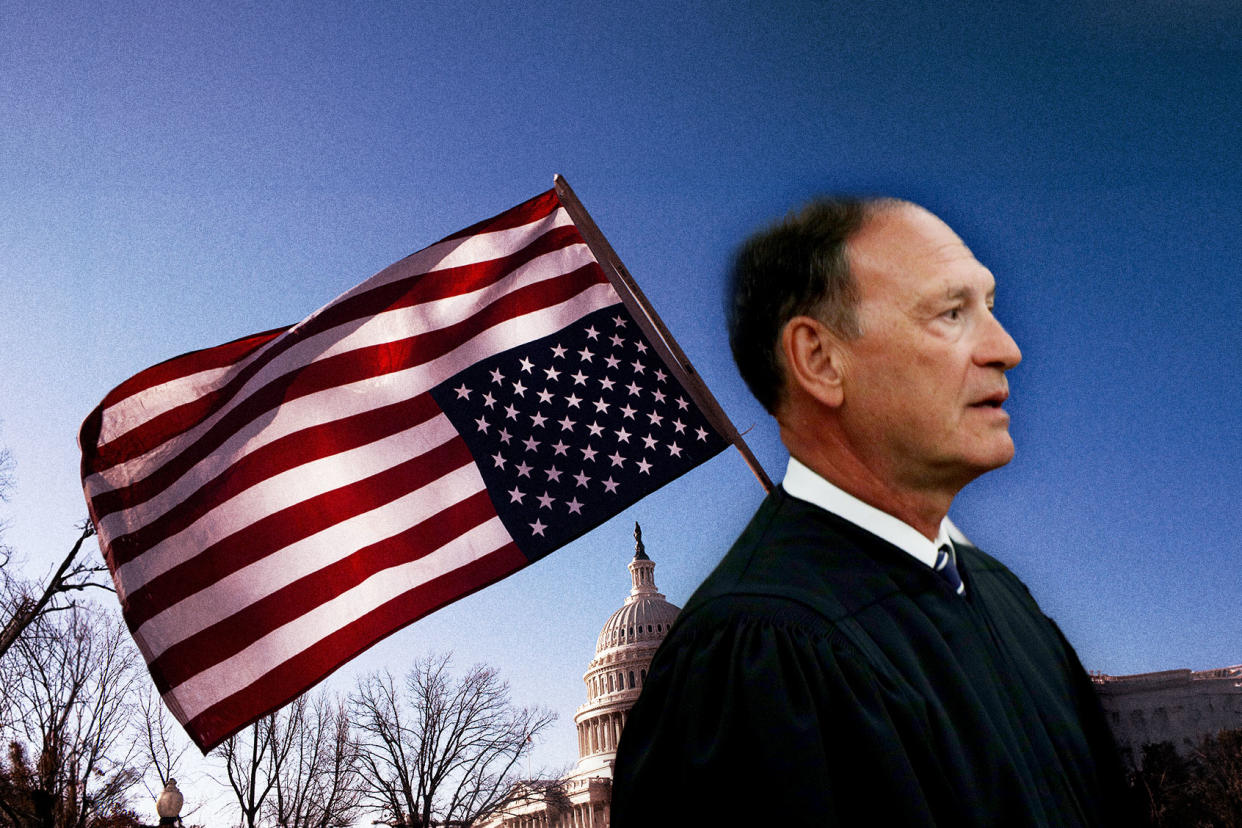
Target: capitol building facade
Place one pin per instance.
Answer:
(613, 680)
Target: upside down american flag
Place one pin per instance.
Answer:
(271, 507)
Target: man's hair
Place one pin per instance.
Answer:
(798, 266)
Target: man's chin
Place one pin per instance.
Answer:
(986, 458)
(999, 456)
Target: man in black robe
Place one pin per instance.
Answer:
(854, 659)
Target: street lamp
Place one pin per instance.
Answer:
(168, 806)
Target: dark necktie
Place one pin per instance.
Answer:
(947, 569)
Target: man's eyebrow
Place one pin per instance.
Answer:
(957, 293)
(952, 293)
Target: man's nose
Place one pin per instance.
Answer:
(997, 347)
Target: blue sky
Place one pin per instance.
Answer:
(177, 175)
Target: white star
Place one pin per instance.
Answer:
(682, 404)
(499, 459)
(612, 361)
(679, 426)
(531, 443)
(655, 418)
(558, 351)
(616, 458)
(537, 527)
(638, 366)
(489, 400)
(575, 508)
(610, 485)
(545, 396)
(628, 412)
(527, 365)
(589, 453)
(497, 376)
(519, 389)
(463, 393)
(537, 419)
(573, 400)
(701, 433)
(482, 425)
(649, 442)
(504, 435)
(559, 447)
(658, 394)
(586, 354)
(644, 467)
(619, 321)
(516, 495)
(660, 375)
(592, 333)
(623, 436)
(582, 479)
(554, 474)
(601, 406)
(552, 373)
(641, 346)
(674, 449)
(523, 470)
(545, 500)
(579, 378)
(511, 412)
(596, 429)
(617, 341)
(634, 389)
(567, 424)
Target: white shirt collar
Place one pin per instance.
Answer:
(804, 484)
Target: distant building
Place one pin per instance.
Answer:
(613, 680)
(1178, 706)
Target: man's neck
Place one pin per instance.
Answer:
(923, 509)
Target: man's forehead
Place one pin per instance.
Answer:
(910, 244)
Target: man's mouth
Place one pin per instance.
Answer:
(995, 400)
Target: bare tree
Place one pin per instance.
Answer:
(317, 785)
(251, 761)
(1218, 777)
(69, 683)
(26, 602)
(439, 750)
(23, 601)
(297, 768)
(160, 742)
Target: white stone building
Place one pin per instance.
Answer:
(613, 680)
(1178, 706)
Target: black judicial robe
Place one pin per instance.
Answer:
(822, 676)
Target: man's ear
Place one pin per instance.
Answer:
(814, 360)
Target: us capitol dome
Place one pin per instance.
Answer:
(623, 653)
(613, 680)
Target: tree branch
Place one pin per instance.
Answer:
(68, 577)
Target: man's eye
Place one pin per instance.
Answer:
(952, 314)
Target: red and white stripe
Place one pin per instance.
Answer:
(273, 506)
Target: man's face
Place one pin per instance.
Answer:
(924, 383)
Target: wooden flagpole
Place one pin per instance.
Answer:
(654, 327)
